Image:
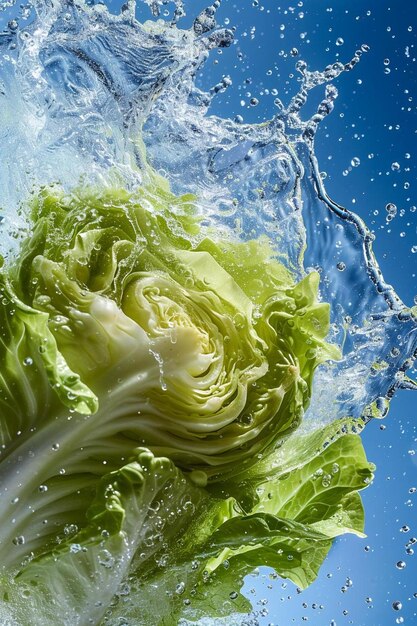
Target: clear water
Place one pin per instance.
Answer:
(88, 97)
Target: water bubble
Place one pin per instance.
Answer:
(180, 588)
(43, 488)
(355, 162)
(28, 361)
(75, 548)
(19, 541)
(106, 559)
(294, 52)
(401, 565)
(405, 529)
(326, 480)
(233, 595)
(70, 529)
(55, 447)
(395, 166)
(397, 605)
(391, 208)
(340, 41)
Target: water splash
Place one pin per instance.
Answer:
(91, 97)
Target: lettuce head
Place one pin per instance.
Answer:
(154, 377)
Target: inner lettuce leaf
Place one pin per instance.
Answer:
(155, 376)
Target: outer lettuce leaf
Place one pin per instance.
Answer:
(211, 587)
(317, 501)
(35, 379)
(137, 509)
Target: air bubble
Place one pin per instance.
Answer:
(401, 565)
(19, 541)
(180, 588)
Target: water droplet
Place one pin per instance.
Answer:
(326, 480)
(19, 541)
(43, 488)
(55, 447)
(75, 547)
(180, 588)
(391, 208)
(28, 361)
(106, 559)
(233, 595)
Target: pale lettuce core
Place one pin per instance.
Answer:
(153, 382)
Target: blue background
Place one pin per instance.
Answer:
(375, 121)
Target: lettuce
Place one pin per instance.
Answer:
(154, 380)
